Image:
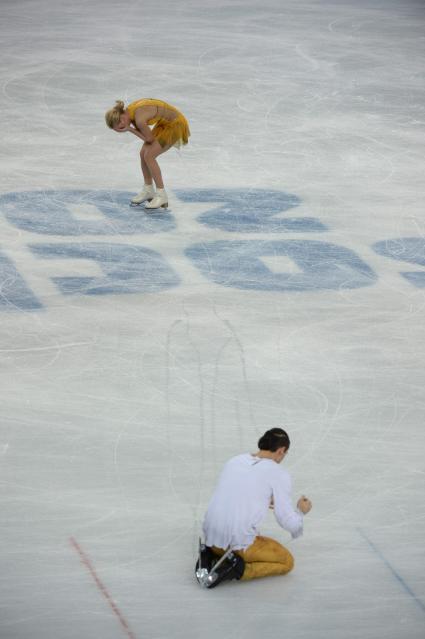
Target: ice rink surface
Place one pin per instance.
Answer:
(284, 287)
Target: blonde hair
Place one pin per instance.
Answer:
(112, 117)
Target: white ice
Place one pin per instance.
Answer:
(119, 409)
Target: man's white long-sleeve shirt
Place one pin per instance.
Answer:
(241, 500)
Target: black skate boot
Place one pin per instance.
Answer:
(232, 567)
(205, 562)
(211, 570)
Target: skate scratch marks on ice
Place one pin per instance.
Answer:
(86, 561)
(399, 578)
(43, 348)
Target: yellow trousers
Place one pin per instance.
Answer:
(264, 557)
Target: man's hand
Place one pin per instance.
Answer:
(304, 505)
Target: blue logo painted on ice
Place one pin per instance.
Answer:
(236, 263)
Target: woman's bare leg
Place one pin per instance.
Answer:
(147, 176)
(151, 152)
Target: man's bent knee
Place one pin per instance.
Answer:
(290, 562)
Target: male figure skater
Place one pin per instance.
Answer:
(249, 484)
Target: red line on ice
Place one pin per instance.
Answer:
(86, 561)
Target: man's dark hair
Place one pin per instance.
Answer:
(273, 439)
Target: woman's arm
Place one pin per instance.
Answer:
(143, 135)
(143, 128)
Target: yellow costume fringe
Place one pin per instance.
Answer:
(168, 132)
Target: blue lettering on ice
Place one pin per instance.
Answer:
(250, 210)
(322, 266)
(48, 213)
(14, 293)
(405, 249)
(128, 269)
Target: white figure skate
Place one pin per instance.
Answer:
(146, 195)
(159, 201)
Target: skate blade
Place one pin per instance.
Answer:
(162, 206)
(140, 203)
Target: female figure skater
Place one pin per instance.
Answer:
(170, 129)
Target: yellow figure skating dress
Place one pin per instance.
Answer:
(168, 132)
